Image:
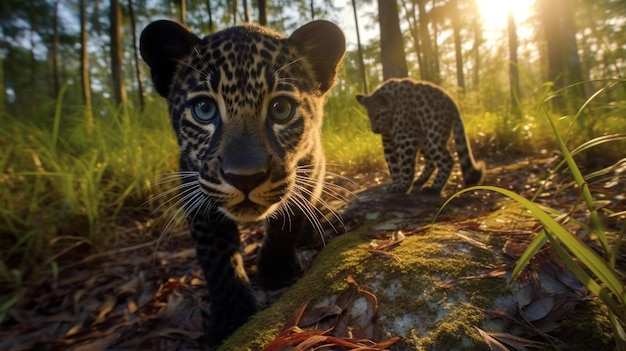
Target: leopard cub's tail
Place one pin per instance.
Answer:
(473, 172)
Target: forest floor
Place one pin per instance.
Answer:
(147, 293)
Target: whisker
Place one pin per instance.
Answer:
(331, 190)
(180, 191)
(323, 203)
(305, 207)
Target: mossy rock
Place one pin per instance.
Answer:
(433, 289)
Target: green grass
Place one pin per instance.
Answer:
(61, 185)
(349, 144)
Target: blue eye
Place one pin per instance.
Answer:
(281, 109)
(204, 110)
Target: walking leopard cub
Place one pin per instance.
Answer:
(246, 105)
(414, 115)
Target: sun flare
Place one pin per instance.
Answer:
(495, 12)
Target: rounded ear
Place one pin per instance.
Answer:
(323, 45)
(163, 44)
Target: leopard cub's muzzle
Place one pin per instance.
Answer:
(244, 164)
(251, 178)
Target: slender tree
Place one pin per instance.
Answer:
(478, 39)
(54, 52)
(429, 67)
(182, 4)
(262, 12)
(138, 75)
(365, 87)
(563, 61)
(391, 41)
(246, 11)
(210, 16)
(84, 67)
(413, 27)
(33, 60)
(513, 66)
(456, 29)
(3, 94)
(117, 49)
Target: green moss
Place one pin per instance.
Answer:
(431, 295)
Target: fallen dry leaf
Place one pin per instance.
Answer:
(496, 341)
(346, 331)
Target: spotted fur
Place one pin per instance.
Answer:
(412, 116)
(246, 105)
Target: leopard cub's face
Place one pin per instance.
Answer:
(246, 105)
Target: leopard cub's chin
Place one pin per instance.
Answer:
(248, 212)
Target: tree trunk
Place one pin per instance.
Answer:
(84, 68)
(262, 12)
(210, 15)
(117, 74)
(56, 85)
(413, 27)
(3, 93)
(428, 69)
(476, 51)
(563, 61)
(183, 11)
(246, 11)
(456, 28)
(391, 41)
(312, 10)
(364, 82)
(136, 60)
(435, 59)
(33, 61)
(513, 67)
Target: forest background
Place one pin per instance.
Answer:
(83, 135)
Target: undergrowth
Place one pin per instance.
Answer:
(61, 185)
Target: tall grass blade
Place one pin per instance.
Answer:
(535, 245)
(584, 188)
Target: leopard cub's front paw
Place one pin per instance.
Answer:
(278, 271)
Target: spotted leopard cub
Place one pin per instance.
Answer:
(246, 105)
(414, 115)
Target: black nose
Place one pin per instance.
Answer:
(245, 183)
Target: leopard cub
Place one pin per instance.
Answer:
(246, 105)
(415, 115)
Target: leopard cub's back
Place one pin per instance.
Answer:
(423, 103)
(415, 115)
